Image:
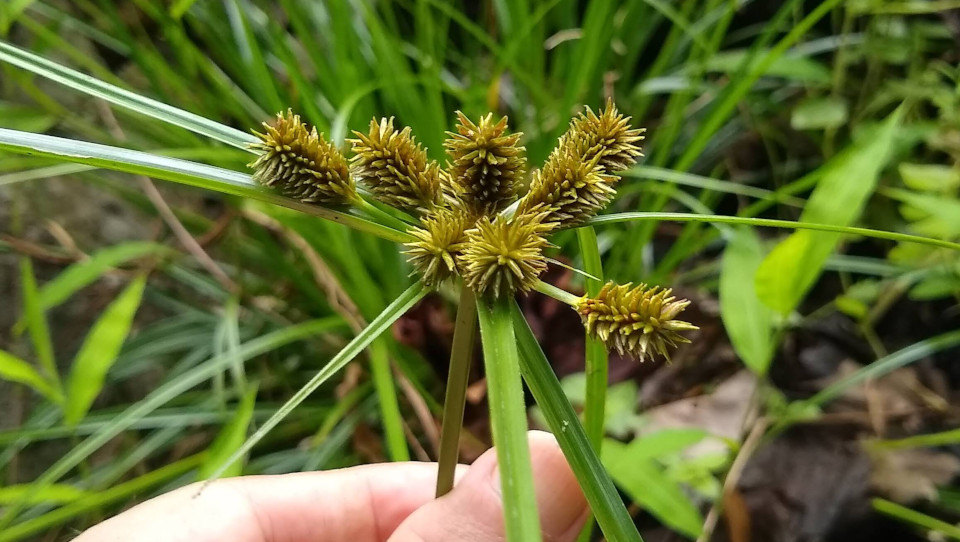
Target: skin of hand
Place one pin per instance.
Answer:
(385, 502)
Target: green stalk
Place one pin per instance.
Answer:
(595, 360)
(392, 421)
(598, 488)
(508, 420)
(461, 354)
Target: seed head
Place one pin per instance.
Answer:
(579, 176)
(436, 252)
(395, 167)
(638, 321)
(607, 136)
(486, 165)
(502, 256)
(301, 163)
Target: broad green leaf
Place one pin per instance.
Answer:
(819, 114)
(749, 323)
(601, 494)
(938, 284)
(124, 98)
(930, 177)
(508, 419)
(231, 437)
(178, 171)
(14, 369)
(791, 269)
(664, 442)
(36, 321)
(936, 216)
(99, 351)
(54, 494)
(649, 487)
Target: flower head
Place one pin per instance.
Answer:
(486, 164)
(579, 176)
(638, 321)
(395, 167)
(502, 256)
(435, 253)
(301, 163)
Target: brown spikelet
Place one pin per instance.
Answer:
(637, 321)
(435, 253)
(486, 164)
(300, 163)
(502, 256)
(395, 167)
(579, 176)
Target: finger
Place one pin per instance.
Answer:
(360, 504)
(474, 509)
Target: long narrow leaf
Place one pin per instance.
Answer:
(617, 218)
(124, 98)
(14, 369)
(379, 324)
(605, 502)
(99, 351)
(178, 171)
(36, 321)
(230, 438)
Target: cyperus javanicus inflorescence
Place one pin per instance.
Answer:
(640, 321)
(473, 222)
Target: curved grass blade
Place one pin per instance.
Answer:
(179, 171)
(617, 218)
(379, 324)
(605, 502)
(166, 393)
(14, 369)
(36, 321)
(508, 419)
(124, 98)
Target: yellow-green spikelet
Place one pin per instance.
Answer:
(301, 164)
(395, 167)
(486, 164)
(501, 256)
(640, 321)
(579, 177)
(435, 254)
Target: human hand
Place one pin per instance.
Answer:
(386, 502)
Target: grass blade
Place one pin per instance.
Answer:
(123, 98)
(602, 495)
(14, 369)
(392, 420)
(230, 439)
(617, 218)
(164, 394)
(99, 352)
(178, 171)
(379, 324)
(508, 419)
(917, 519)
(37, 323)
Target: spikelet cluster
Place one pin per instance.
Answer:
(640, 321)
(301, 164)
(486, 164)
(395, 167)
(501, 256)
(579, 178)
(435, 253)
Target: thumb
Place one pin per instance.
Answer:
(474, 509)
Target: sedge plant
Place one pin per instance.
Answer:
(469, 225)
